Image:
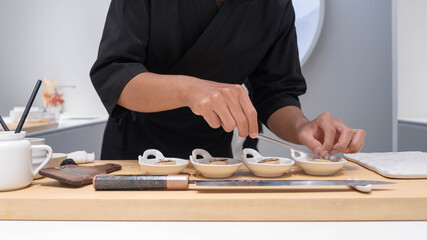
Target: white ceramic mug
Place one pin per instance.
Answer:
(16, 162)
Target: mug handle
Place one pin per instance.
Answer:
(200, 152)
(297, 155)
(250, 151)
(150, 152)
(49, 155)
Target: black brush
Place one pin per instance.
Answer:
(4, 124)
(28, 107)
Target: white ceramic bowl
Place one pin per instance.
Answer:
(265, 169)
(317, 168)
(149, 164)
(213, 171)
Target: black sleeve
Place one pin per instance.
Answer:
(278, 81)
(122, 51)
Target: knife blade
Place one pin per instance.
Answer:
(248, 183)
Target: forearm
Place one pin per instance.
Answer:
(286, 122)
(150, 92)
(220, 104)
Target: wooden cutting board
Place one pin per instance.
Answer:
(48, 199)
(34, 126)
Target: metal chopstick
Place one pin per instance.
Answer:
(288, 145)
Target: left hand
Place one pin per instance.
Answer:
(327, 135)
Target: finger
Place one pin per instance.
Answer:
(212, 119)
(312, 143)
(240, 118)
(227, 120)
(357, 142)
(326, 125)
(345, 136)
(250, 113)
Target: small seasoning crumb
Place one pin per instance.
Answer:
(218, 162)
(270, 161)
(166, 162)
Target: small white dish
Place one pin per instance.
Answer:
(265, 169)
(213, 171)
(317, 168)
(149, 164)
(54, 161)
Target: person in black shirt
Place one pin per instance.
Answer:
(170, 74)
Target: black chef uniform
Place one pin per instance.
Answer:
(244, 39)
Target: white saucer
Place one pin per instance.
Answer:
(317, 168)
(265, 169)
(149, 164)
(213, 171)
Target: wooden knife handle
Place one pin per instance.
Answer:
(110, 167)
(139, 182)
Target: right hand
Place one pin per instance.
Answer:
(224, 105)
(328, 135)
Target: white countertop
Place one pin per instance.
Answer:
(416, 120)
(68, 121)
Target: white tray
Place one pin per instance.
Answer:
(393, 164)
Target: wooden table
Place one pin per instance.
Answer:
(47, 199)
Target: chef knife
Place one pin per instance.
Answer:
(141, 182)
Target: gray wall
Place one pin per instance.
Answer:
(350, 71)
(87, 138)
(412, 136)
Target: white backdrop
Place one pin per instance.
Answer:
(412, 58)
(53, 39)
